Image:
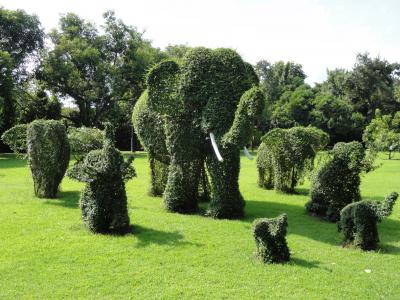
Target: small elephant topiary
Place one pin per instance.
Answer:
(270, 236)
(103, 201)
(358, 221)
(337, 183)
(48, 155)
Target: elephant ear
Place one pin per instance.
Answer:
(162, 84)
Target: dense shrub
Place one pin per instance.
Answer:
(83, 140)
(149, 127)
(205, 93)
(15, 138)
(286, 155)
(48, 155)
(270, 236)
(358, 221)
(337, 183)
(103, 201)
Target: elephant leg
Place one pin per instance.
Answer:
(226, 200)
(159, 177)
(93, 210)
(119, 206)
(181, 192)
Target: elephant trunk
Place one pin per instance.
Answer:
(247, 113)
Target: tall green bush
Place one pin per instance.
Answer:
(286, 155)
(337, 182)
(358, 221)
(103, 201)
(48, 155)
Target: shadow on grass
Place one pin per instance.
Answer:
(148, 236)
(314, 228)
(68, 199)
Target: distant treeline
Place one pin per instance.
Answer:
(101, 70)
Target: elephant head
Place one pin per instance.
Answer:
(209, 102)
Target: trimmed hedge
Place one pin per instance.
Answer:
(358, 221)
(285, 156)
(337, 183)
(15, 138)
(48, 155)
(103, 201)
(270, 237)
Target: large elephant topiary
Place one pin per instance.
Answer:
(207, 102)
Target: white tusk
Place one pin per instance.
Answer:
(215, 147)
(247, 153)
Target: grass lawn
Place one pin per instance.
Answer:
(45, 252)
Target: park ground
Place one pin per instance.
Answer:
(46, 252)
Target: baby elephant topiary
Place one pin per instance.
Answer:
(270, 236)
(358, 221)
(103, 201)
(48, 155)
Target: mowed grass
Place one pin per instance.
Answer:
(46, 252)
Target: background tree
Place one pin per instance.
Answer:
(21, 39)
(370, 85)
(383, 133)
(102, 73)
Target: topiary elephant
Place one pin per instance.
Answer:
(209, 103)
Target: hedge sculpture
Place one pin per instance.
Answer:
(149, 127)
(358, 221)
(103, 201)
(82, 140)
(203, 101)
(286, 155)
(270, 236)
(337, 183)
(48, 155)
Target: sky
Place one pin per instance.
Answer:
(319, 34)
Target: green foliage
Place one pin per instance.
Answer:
(15, 138)
(370, 86)
(383, 133)
(286, 155)
(270, 237)
(103, 201)
(83, 140)
(203, 93)
(21, 35)
(48, 155)
(335, 115)
(7, 109)
(358, 221)
(337, 182)
(37, 105)
(102, 71)
(149, 126)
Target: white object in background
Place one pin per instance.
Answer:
(215, 147)
(247, 153)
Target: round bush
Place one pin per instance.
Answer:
(83, 140)
(15, 138)
(48, 155)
